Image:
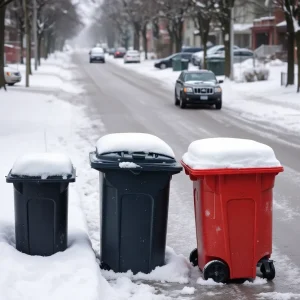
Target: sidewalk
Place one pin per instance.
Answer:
(35, 120)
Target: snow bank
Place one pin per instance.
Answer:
(220, 153)
(209, 282)
(130, 165)
(177, 269)
(43, 165)
(188, 290)
(133, 142)
(256, 281)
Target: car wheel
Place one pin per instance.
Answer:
(163, 66)
(176, 101)
(91, 61)
(219, 105)
(182, 102)
(10, 84)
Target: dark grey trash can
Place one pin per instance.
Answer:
(41, 212)
(134, 209)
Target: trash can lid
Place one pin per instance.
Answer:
(133, 142)
(42, 166)
(231, 154)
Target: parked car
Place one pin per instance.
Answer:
(239, 55)
(198, 87)
(120, 53)
(11, 75)
(111, 51)
(167, 62)
(132, 56)
(97, 54)
(197, 58)
(191, 49)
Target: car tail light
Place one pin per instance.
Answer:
(118, 53)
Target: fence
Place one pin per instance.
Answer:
(267, 50)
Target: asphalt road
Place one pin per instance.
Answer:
(127, 101)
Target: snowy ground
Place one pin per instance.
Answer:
(278, 105)
(35, 120)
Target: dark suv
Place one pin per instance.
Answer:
(198, 87)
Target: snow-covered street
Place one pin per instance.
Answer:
(70, 105)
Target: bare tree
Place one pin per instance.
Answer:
(202, 13)
(292, 16)
(3, 5)
(174, 11)
(223, 12)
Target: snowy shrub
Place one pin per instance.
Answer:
(249, 75)
(276, 63)
(262, 73)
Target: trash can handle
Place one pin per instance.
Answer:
(138, 155)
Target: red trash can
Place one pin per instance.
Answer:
(233, 195)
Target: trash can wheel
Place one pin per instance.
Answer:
(194, 257)
(217, 270)
(267, 269)
(104, 266)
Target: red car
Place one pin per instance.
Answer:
(120, 53)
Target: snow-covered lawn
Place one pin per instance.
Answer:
(34, 120)
(265, 101)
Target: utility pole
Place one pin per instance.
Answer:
(231, 44)
(35, 35)
(25, 8)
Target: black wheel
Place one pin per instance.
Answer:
(217, 270)
(268, 270)
(163, 66)
(182, 102)
(219, 105)
(176, 101)
(10, 84)
(194, 257)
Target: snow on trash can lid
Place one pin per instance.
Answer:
(43, 165)
(133, 142)
(229, 153)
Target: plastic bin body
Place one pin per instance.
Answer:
(180, 64)
(233, 212)
(134, 212)
(41, 214)
(216, 65)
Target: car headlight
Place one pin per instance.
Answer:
(188, 90)
(218, 90)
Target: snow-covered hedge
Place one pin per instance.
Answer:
(262, 73)
(249, 75)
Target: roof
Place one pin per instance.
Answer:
(197, 71)
(242, 27)
(281, 24)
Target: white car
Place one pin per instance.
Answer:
(132, 56)
(11, 75)
(197, 58)
(97, 54)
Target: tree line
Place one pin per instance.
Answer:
(57, 21)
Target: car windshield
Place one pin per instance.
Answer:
(121, 49)
(97, 51)
(132, 52)
(200, 77)
(213, 49)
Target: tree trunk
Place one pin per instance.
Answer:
(2, 31)
(178, 36)
(136, 39)
(30, 52)
(27, 42)
(298, 58)
(39, 48)
(145, 41)
(21, 45)
(291, 57)
(226, 39)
